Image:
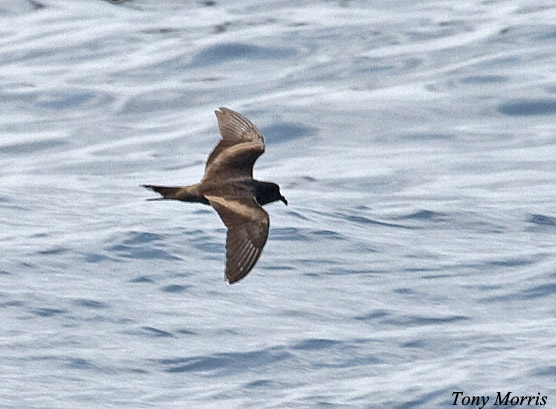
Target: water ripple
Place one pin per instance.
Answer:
(227, 363)
(221, 53)
(528, 107)
(544, 220)
(141, 245)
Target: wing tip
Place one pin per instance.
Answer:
(222, 111)
(237, 276)
(232, 280)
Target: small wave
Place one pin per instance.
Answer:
(528, 107)
(220, 53)
(544, 220)
(228, 362)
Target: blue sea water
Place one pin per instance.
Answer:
(415, 142)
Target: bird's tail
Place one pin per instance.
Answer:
(167, 192)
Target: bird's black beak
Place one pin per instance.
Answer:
(283, 199)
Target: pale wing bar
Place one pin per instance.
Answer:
(248, 225)
(241, 144)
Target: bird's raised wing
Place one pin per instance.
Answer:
(248, 225)
(241, 144)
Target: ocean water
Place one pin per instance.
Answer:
(415, 142)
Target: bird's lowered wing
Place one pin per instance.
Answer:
(241, 144)
(248, 225)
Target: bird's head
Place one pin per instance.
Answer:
(269, 192)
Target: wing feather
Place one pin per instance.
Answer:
(241, 144)
(248, 226)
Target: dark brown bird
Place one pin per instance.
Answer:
(229, 187)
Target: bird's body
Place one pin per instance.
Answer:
(228, 186)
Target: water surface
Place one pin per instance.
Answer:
(415, 143)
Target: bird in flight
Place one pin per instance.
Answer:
(228, 186)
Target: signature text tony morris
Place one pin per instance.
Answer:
(508, 399)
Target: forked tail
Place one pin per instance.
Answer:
(183, 193)
(167, 192)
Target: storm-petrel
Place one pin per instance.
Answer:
(229, 187)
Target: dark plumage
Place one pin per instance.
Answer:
(228, 186)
